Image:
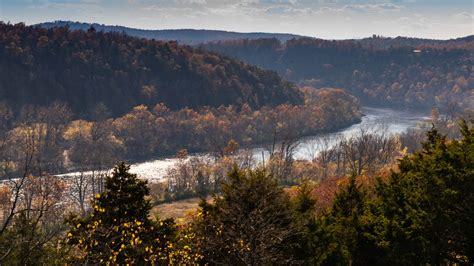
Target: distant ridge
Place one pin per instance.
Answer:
(380, 42)
(183, 36)
(197, 37)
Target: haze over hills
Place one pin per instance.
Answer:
(183, 36)
(412, 73)
(379, 42)
(196, 36)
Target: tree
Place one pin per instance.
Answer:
(32, 220)
(313, 241)
(250, 223)
(119, 230)
(347, 224)
(137, 130)
(425, 212)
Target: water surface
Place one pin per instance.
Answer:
(377, 120)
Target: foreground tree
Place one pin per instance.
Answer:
(347, 225)
(119, 230)
(250, 223)
(425, 212)
(36, 222)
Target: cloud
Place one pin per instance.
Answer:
(464, 16)
(290, 2)
(92, 6)
(415, 23)
(359, 8)
(367, 8)
(191, 2)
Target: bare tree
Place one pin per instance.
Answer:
(30, 197)
(79, 190)
(280, 164)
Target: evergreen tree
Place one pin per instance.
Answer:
(425, 212)
(313, 241)
(28, 242)
(249, 224)
(119, 230)
(347, 224)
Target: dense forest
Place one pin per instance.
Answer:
(62, 142)
(84, 69)
(380, 42)
(182, 36)
(408, 73)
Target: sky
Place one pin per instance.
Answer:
(329, 19)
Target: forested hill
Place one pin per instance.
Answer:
(39, 66)
(183, 36)
(378, 42)
(197, 37)
(436, 73)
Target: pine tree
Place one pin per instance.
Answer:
(119, 230)
(249, 224)
(425, 212)
(313, 241)
(349, 226)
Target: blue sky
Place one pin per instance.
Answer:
(330, 19)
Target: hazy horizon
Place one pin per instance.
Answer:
(328, 19)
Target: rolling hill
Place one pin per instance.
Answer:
(183, 36)
(400, 72)
(84, 68)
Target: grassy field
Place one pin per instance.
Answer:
(180, 210)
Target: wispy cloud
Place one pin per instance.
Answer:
(321, 18)
(93, 6)
(465, 16)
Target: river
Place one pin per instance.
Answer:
(378, 120)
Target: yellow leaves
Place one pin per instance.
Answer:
(78, 225)
(199, 213)
(99, 209)
(138, 223)
(78, 128)
(69, 235)
(97, 196)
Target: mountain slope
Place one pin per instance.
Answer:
(183, 36)
(39, 66)
(427, 75)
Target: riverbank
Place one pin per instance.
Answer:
(390, 120)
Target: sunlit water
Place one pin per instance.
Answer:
(377, 120)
